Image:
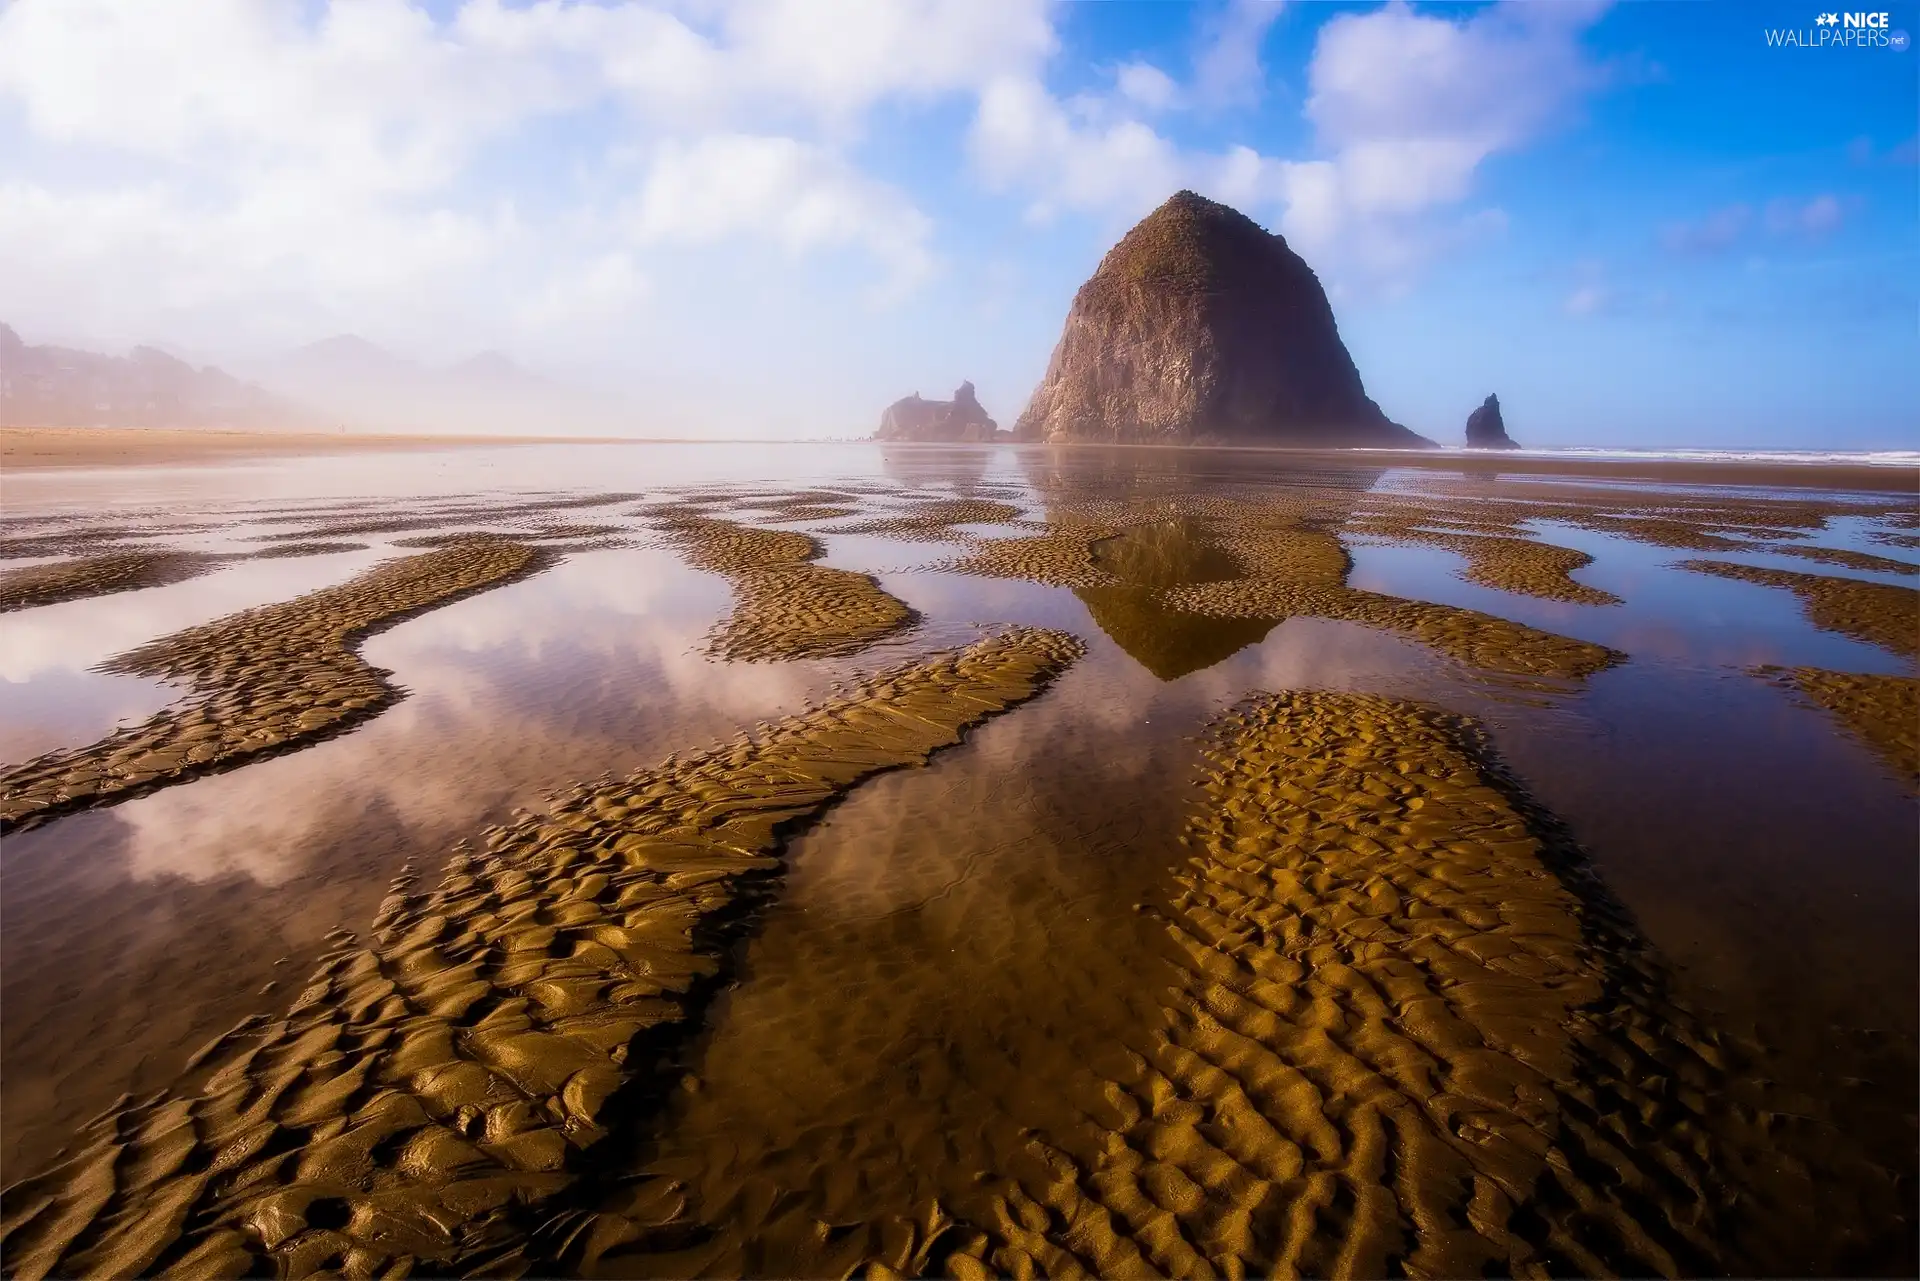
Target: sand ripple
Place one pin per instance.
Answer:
(1408, 1035)
(116, 571)
(430, 1092)
(262, 681)
(785, 606)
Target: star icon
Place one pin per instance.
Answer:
(1827, 20)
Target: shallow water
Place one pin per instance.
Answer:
(949, 943)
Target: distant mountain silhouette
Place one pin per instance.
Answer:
(362, 383)
(49, 386)
(496, 368)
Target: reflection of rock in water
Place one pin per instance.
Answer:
(962, 466)
(1110, 472)
(1169, 643)
(1278, 557)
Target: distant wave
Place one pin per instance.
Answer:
(1859, 458)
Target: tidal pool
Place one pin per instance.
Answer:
(1298, 902)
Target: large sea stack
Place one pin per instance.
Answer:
(1486, 429)
(960, 419)
(1200, 327)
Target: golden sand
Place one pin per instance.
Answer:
(33, 448)
(1058, 558)
(934, 521)
(69, 537)
(1402, 1032)
(785, 606)
(1847, 558)
(262, 681)
(1485, 641)
(1519, 565)
(97, 575)
(432, 1090)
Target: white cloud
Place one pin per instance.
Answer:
(1024, 137)
(1408, 106)
(1228, 70)
(1147, 85)
(603, 289)
(846, 55)
(259, 172)
(798, 196)
(440, 175)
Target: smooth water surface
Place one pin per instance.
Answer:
(947, 932)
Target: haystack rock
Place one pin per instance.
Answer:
(959, 419)
(1486, 430)
(1200, 327)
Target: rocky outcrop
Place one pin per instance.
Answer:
(959, 419)
(1486, 430)
(1200, 327)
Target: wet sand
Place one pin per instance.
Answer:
(96, 576)
(1297, 926)
(425, 1096)
(261, 682)
(1883, 710)
(23, 448)
(787, 606)
(31, 448)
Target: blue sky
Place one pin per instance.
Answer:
(1640, 224)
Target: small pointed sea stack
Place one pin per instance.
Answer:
(1201, 327)
(1485, 428)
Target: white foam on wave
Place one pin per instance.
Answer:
(1858, 458)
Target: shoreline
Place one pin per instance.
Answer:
(24, 449)
(1878, 478)
(48, 448)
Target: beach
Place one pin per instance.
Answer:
(653, 858)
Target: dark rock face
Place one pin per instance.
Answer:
(959, 419)
(1200, 327)
(1485, 430)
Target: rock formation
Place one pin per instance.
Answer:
(1200, 327)
(1485, 430)
(959, 419)
(65, 387)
